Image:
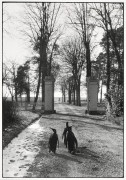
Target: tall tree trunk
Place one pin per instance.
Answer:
(64, 93)
(16, 92)
(21, 99)
(44, 72)
(43, 63)
(28, 96)
(44, 37)
(87, 46)
(85, 40)
(112, 35)
(37, 93)
(101, 93)
(69, 93)
(76, 102)
(118, 59)
(43, 88)
(74, 95)
(78, 93)
(15, 86)
(108, 65)
(38, 87)
(108, 56)
(16, 99)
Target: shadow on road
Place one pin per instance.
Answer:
(68, 158)
(106, 127)
(81, 116)
(81, 154)
(86, 153)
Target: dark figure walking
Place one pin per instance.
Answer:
(53, 141)
(71, 141)
(65, 133)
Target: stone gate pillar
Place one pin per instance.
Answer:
(92, 95)
(49, 94)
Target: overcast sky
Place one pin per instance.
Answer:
(14, 47)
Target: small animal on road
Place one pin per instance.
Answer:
(64, 135)
(71, 141)
(53, 141)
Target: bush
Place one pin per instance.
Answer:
(9, 112)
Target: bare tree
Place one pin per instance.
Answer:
(6, 18)
(42, 29)
(73, 55)
(84, 26)
(9, 76)
(109, 16)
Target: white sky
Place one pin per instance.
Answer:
(14, 47)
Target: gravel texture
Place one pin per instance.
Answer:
(99, 153)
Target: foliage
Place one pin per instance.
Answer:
(52, 52)
(115, 93)
(99, 68)
(21, 80)
(55, 69)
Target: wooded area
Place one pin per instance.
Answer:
(66, 58)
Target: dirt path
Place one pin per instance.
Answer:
(100, 152)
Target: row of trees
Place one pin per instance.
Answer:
(113, 76)
(111, 16)
(108, 66)
(73, 57)
(44, 31)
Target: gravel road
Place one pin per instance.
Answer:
(100, 151)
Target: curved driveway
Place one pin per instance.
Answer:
(100, 151)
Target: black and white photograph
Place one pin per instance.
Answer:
(62, 89)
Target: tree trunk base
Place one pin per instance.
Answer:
(49, 112)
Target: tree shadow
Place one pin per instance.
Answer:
(45, 153)
(68, 157)
(81, 116)
(106, 127)
(86, 153)
(81, 153)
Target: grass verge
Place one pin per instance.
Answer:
(25, 118)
